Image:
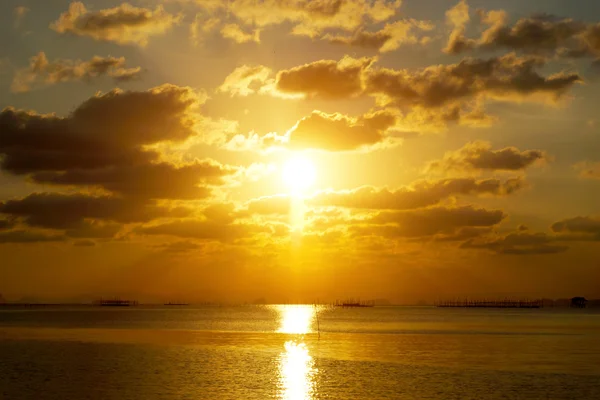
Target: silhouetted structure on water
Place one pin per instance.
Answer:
(491, 303)
(353, 303)
(115, 303)
(578, 302)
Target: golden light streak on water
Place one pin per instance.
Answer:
(297, 373)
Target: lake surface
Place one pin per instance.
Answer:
(298, 352)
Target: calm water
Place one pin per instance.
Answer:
(274, 352)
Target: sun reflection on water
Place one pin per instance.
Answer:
(297, 372)
(296, 318)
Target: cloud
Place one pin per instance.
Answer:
(150, 181)
(235, 33)
(123, 24)
(419, 194)
(328, 132)
(202, 26)
(6, 224)
(94, 229)
(388, 38)
(588, 170)
(204, 230)
(430, 98)
(338, 132)
(508, 78)
(84, 243)
(180, 247)
(127, 74)
(538, 34)
(522, 243)
(427, 222)
(21, 236)
(107, 130)
(325, 78)
(480, 156)
(19, 14)
(268, 205)
(458, 17)
(584, 225)
(42, 72)
(245, 80)
(73, 211)
(309, 17)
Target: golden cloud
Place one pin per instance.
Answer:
(43, 72)
(480, 156)
(124, 24)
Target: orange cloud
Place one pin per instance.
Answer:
(388, 38)
(235, 33)
(480, 156)
(124, 24)
(43, 72)
(419, 194)
(588, 170)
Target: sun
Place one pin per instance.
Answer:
(299, 174)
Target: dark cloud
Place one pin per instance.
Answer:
(103, 143)
(69, 211)
(325, 78)
(521, 243)
(420, 194)
(6, 224)
(123, 24)
(42, 72)
(533, 34)
(93, 229)
(480, 156)
(152, 181)
(22, 236)
(430, 97)
(106, 130)
(507, 78)
(584, 225)
(464, 233)
(427, 222)
(84, 243)
(538, 34)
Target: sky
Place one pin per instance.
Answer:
(297, 150)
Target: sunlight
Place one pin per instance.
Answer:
(297, 372)
(296, 318)
(299, 174)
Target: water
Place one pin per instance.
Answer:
(286, 352)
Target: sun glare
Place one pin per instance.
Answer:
(299, 174)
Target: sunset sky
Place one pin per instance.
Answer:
(298, 150)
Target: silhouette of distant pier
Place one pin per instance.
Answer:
(351, 303)
(115, 303)
(491, 303)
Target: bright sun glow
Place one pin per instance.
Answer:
(299, 174)
(295, 318)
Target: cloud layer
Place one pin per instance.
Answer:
(124, 24)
